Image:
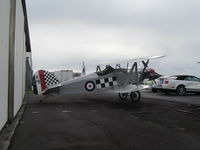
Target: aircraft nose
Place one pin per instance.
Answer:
(151, 70)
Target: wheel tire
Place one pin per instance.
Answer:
(135, 96)
(154, 90)
(180, 90)
(123, 96)
(197, 93)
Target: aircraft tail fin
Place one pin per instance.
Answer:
(43, 81)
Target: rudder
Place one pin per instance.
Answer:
(44, 80)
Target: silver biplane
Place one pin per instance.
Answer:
(122, 80)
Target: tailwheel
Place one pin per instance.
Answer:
(135, 96)
(123, 96)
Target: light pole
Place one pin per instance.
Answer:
(198, 63)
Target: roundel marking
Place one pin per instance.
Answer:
(89, 86)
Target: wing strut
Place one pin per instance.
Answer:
(145, 66)
(135, 66)
(118, 66)
(98, 68)
(135, 69)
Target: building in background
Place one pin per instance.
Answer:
(63, 75)
(76, 74)
(15, 58)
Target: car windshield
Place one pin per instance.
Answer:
(173, 77)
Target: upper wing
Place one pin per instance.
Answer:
(135, 60)
(129, 88)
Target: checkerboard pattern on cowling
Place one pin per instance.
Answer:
(106, 82)
(50, 78)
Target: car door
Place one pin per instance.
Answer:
(193, 84)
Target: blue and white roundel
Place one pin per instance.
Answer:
(89, 86)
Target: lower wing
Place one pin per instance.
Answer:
(130, 88)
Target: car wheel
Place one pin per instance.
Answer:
(154, 90)
(180, 90)
(135, 96)
(197, 93)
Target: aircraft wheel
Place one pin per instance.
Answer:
(135, 96)
(123, 96)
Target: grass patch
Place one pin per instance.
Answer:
(29, 92)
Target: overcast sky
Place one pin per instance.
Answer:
(66, 32)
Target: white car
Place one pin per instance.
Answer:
(179, 84)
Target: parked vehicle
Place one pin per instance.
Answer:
(180, 84)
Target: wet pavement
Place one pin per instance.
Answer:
(101, 122)
(189, 98)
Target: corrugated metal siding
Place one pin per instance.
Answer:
(4, 38)
(19, 58)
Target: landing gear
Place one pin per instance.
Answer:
(123, 96)
(134, 96)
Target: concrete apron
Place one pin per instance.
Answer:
(9, 129)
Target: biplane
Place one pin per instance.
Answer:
(125, 81)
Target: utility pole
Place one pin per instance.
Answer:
(199, 68)
(83, 68)
(11, 71)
